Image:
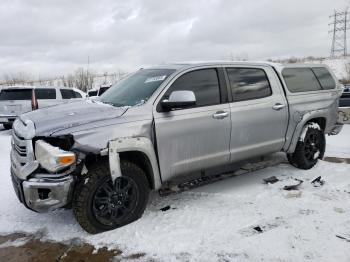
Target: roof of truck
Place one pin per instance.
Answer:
(189, 64)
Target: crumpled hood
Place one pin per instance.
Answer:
(56, 118)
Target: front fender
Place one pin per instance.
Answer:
(125, 144)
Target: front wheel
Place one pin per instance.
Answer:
(311, 147)
(100, 205)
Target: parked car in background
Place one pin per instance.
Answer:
(16, 100)
(346, 88)
(99, 91)
(344, 100)
(92, 93)
(103, 157)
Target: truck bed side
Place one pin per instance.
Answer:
(319, 106)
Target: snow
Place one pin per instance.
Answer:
(216, 222)
(310, 125)
(339, 145)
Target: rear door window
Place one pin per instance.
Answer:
(16, 94)
(248, 83)
(325, 78)
(77, 95)
(45, 93)
(67, 94)
(300, 80)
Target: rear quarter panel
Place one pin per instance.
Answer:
(304, 106)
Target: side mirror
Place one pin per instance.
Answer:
(179, 99)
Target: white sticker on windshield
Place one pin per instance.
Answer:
(155, 78)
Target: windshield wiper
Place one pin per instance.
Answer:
(115, 104)
(111, 103)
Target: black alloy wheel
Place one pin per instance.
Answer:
(112, 203)
(100, 205)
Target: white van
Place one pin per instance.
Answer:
(16, 100)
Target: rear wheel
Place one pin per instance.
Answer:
(99, 205)
(311, 147)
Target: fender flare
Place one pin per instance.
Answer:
(125, 144)
(299, 128)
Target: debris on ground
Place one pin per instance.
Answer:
(344, 238)
(166, 208)
(339, 210)
(293, 194)
(258, 229)
(318, 181)
(294, 187)
(271, 180)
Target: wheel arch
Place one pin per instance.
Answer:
(140, 151)
(141, 160)
(321, 121)
(316, 117)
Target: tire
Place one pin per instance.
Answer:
(96, 201)
(7, 126)
(310, 147)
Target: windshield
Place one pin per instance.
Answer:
(137, 88)
(16, 94)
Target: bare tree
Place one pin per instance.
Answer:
(20, 78)
(81, 79)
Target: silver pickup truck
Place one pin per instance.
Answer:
(103, 157)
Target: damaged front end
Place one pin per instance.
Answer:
(43, 170)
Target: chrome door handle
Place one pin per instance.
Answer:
(220, 115)
(278, 106)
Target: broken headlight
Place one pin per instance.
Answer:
(53, 158)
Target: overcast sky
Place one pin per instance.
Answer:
(44, 37)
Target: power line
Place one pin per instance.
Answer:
(339, 29)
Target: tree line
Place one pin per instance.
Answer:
(81, 79)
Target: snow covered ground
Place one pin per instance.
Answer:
(216, 222)
(339, 145)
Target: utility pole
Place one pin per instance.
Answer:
(87, 74)
(339, 27)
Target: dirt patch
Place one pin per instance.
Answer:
(21, 247)
(337, 159)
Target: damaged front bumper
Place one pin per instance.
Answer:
(44, 194)
(41, 192)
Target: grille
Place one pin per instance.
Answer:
(20, 148)
(22, 156)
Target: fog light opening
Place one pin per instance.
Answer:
(44, 193)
